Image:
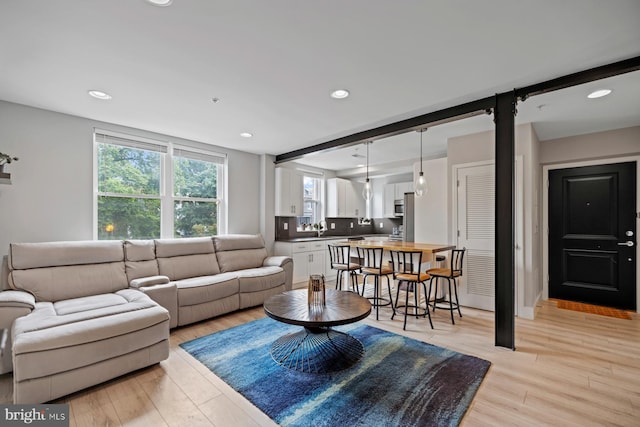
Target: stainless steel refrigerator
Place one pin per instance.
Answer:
(408, 222)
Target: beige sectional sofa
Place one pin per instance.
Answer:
(80, 313)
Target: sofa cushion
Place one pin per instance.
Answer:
(167, 248)
(139, 269)
(24, 256)
(238, 252)
(234, 242)
(184, 267)
(60, 327)
(74, 281)
(184, 258)
(139, 250)
(260, 279)
(198, 290)
(140, 259)
(61, 270)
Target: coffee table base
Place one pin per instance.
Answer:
(317, 350)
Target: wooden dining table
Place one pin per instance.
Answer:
(428, 249)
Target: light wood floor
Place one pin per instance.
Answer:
(569, 369)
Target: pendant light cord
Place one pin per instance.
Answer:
(421, 132)
(367, 144)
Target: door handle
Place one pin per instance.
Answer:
(627, 243)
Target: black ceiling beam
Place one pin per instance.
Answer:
(581, 77)
(468, 109)
(441, 116)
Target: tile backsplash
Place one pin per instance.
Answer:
(342, 227)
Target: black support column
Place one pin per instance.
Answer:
(504, 117)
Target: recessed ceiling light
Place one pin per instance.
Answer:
(161, 3)
(599, 93)
(360, 165)
(99, 94)
(340, 93)
(246, 134)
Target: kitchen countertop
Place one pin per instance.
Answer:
(316, 238)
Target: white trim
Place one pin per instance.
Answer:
(145, 142)
(166, 203)
(545, 214)
(94, 197)
(310, 173)
(205, 156)
(520, 309)
(130, 196)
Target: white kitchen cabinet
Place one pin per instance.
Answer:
(308, 258)
(356, 205)
(389, 199)
(289, 192)
(344, 199)
(393, 192)
(401, 188)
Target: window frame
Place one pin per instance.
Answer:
(166, 195)
(316, 201)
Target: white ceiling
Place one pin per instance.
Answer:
(273, 64)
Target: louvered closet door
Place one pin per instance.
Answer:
(476, 232)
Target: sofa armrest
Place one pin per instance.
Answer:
(13, 304)
(166, 295)
(18, 299)
(287, 265)
(148, 281)
(276, 261)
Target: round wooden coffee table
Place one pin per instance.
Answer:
(317, 348)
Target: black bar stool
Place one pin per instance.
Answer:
(406, 270)
(451, 274)
(339, 256)
(371, 265)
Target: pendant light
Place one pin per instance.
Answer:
(367, 192)
(420, 186)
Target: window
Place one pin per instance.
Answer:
(312, 195)
(131, 202)
(195, 194)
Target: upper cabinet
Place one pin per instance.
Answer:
(389, 198)
(401, 188)
(393, 192)
(289, 192)
(344, 199)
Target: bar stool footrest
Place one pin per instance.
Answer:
(379, 301)
(419, 311)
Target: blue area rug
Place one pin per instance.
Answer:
(398, 382)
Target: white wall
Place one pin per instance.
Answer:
(268, 200)
(431, 219)
(51, 197)
(600, 145)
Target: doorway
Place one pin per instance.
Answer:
(592, 234)
(474, 226)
